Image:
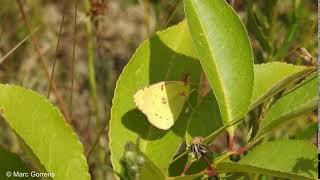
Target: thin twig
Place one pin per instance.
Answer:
(173, 11)
(56, 52)
(212, 170)
(73, 56)
(91, 149)
(18, 45)
(186, 167)
(43, 61)
(230, 140)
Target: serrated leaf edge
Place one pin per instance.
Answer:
(311, 101)
(305, 72)
(276, 142)
(55, 110)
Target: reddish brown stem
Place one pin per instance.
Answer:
(43, 61)
(230, 141)
(243, 149)
(212, 171)
(185, 169)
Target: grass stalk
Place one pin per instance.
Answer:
(73, 56)
(56, 52)
(92, 74)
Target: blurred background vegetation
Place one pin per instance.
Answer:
(107, 34)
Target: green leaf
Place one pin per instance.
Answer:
(45, 131)
(205, 119)
(302, 99)
(225, 54)
(151, 171)
(12, 163)
(307, 133)
(177, 166)
(167, 56)
(290, 159)
(271, 78)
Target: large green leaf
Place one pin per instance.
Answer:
(45, 131)
(270, 78)
(167, 56)
(291, 159)
(225, 54)
(302, 99)
(205, 119)
(10, 163)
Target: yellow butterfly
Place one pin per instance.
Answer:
(162, 102)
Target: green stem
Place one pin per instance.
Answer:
(92, 79)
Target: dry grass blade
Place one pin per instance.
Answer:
(73, 56)
(56, 52)
(18, 45)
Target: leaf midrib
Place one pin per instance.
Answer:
(224, 97)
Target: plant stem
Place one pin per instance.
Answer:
(73, 56)
(92, 75)
(92, 79)
(186, 166)
(18, 45)
(230, 140)
(173, 11)
(104, 127)
(210, 168)
(56, 52)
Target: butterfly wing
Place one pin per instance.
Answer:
(162, 102)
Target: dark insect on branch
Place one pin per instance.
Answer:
(197, 148)
(200, 150)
